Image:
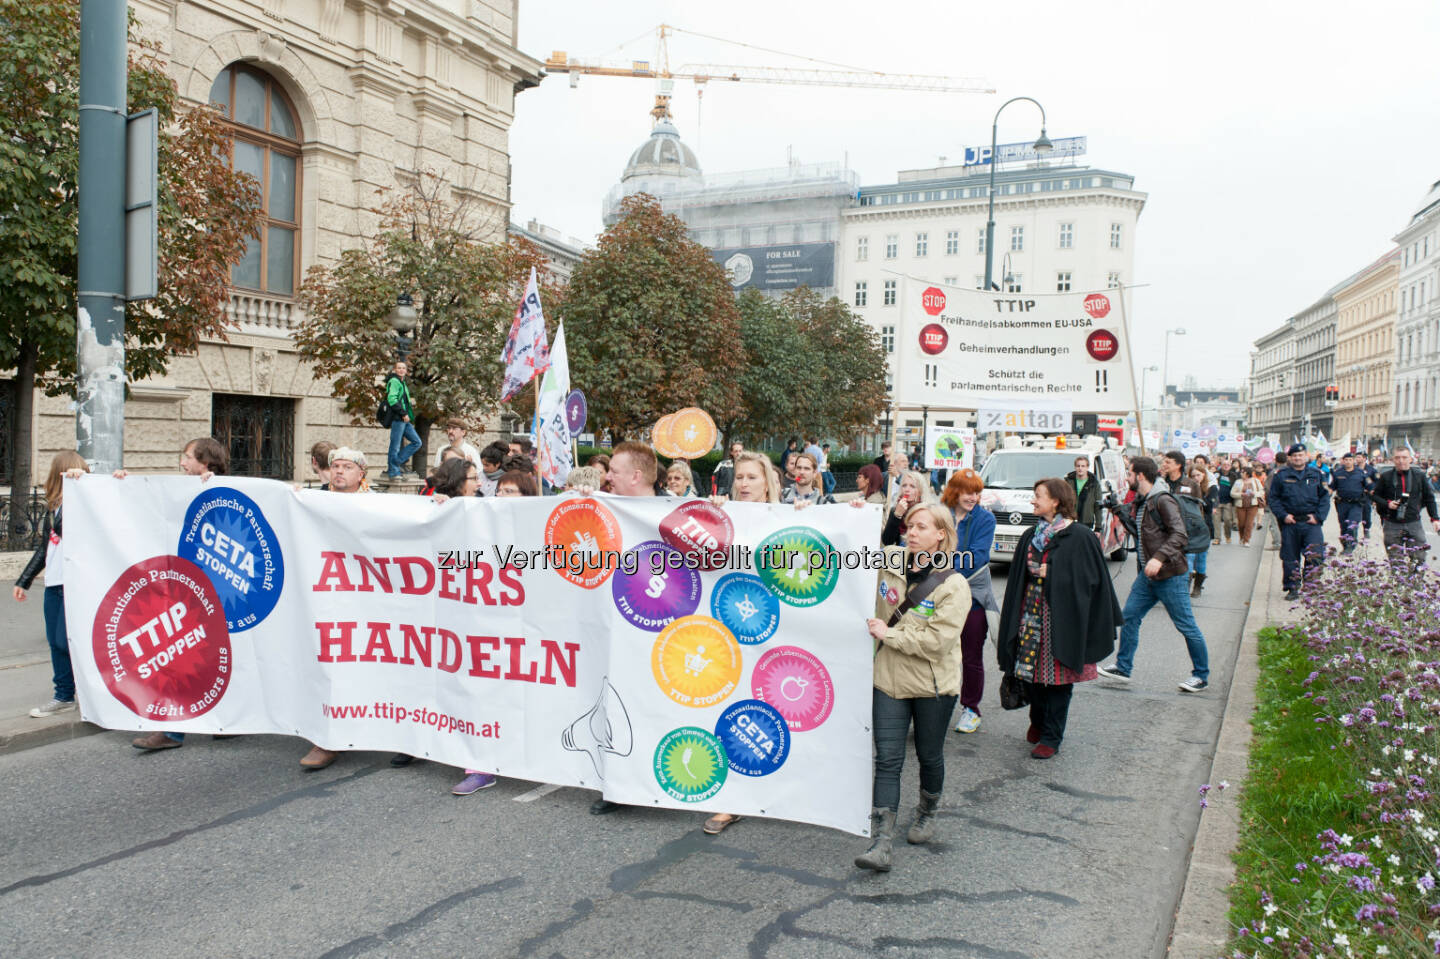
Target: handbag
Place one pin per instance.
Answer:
(1012, 692)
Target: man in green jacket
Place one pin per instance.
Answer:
(404, 441)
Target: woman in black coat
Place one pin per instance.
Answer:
(1060, 613)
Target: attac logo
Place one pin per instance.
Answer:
(1097, 305)
(1102, 345)
(933, 339)
(933, 299)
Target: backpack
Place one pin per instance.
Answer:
(384, 415)
(1197, 531)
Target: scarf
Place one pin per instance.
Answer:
(1044, 530)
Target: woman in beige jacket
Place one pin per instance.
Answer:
(920, 611)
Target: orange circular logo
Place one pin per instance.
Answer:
(660, 436)
(585, 538)
(696, 661)
(692, 432)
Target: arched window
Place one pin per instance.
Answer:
(267, 146)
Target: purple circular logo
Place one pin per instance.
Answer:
(575, 410)
(661, 590)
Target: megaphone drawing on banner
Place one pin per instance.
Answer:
(605, 728)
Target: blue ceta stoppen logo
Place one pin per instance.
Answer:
(227, 536)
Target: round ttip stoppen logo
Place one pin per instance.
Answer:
(933, 300)
(1097, 305)
(933, 339)
(1102, 345)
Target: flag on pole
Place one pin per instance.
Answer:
(553, 454)
(526, 353)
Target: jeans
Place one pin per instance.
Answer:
(1174, 594)
(1198, 561)
(64, 675)
(827, 481)
(891, 718)
(1404, 544)
(1049, 709)
(972, 659)
(404, 443)
(1301, 540)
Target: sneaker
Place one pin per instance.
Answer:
(1113, 672)
(1193, 685)
(969, 721)
(52, 707)
(473, 783)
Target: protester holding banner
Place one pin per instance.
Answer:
(1059, 616)
(48, 557)
(974, 536)
(917, 675)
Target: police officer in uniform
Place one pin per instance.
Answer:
(1300, 501)
(1352, 491)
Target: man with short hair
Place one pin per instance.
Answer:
(1086, 490)
(1172, 468)
(455, 429)
(521, 446)
(807, 488)
(790, 450)
(1160, 539)
(1352, 491)
(1300, 502)
(1400, 494)
(404, 441)
(724, 476)
(883, 463)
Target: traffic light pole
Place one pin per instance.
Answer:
(100, 321)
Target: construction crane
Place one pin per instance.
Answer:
(826, 75)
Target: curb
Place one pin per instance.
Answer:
(41, 733)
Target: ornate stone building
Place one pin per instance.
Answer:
(1365, 351)
(331, 101)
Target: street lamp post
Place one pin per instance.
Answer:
(402, 320)
(1042, 147)
(1165, 374)
(1144, 375)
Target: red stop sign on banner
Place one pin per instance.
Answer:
(933, 338)
(1097, 305)
(933, 299)
(1102, 345)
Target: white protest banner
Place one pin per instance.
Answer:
(554, 455)
(949, 448)
(664, 651)
(526, 352)
(981, 349)
(1030, 418)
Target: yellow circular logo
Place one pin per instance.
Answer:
(660, 436)
(696, 661)
(692, 432)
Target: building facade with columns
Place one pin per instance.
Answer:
(1415, 391)
(1273, 385)
(1365, 351)
(330, 101)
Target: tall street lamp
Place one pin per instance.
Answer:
(1144, 375)
(1042, 147)
(1165, 374)
(402, 320)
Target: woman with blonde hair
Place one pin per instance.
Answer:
(911, 489)
(48, 557)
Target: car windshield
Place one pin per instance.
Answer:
(1022, 469)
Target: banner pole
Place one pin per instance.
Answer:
(1134, 395)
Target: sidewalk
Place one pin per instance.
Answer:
(25, 677)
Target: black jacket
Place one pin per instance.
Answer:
(37, 560)
(1084, 611)
(1086, 499)
(1387, 487)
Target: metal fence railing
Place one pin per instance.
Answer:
(22, 531)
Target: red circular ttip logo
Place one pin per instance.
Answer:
(933, 299)
(933, 338)
(1097, 305)
(1102, 345)
(160, 640)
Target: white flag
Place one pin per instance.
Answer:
(552, 431)
(526, 353)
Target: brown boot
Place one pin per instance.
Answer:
(156, 740)
(318, 758)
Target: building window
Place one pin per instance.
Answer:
(922, 244)
(952, 242)
(980, 242)
(1115, 236)
(259, 432)
(1067, 235)
(1014, 283)
(266, 139)
(1017, 238)
(1062, 281)
(862, 292)
(889, 295)
(979, 282)
(862, 248)
(950, 280)
(892, 246)
(1112, 281)
(887, 338)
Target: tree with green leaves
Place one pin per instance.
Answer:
(651, 324)
(465, 291)
(206, 214)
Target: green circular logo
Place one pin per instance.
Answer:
(690, 764)
(798, 565)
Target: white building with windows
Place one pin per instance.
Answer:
(1415, 403)
(1058, 228)
(1274, 397)
(329, 102)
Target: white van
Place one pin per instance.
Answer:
(1010, 475)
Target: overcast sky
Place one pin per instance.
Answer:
(1282, 143)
